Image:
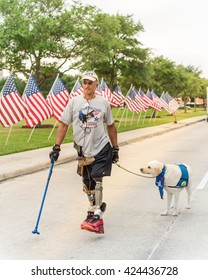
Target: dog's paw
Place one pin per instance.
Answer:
(165, 213)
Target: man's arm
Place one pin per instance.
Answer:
(112, 133)
(61, 133)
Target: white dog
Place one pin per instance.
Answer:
(173, 178)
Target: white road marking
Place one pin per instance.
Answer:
(203, 182)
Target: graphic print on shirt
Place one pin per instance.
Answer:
(89, 116)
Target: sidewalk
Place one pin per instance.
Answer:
(27, 162)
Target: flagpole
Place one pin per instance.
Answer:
(125, 107)
(126, 97)
(54, 83)
(74, 86)
(26, 85)
(52, 108)
(25, 100)
(158, 111)
(8, 135)
(52, 130)
(126, 117)
(132, 118)
(144, 116)
(117, 112)
(122, 117)
(140, 113)
(155, 116)
(31, 134)
(151, 115)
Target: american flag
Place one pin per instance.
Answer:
(146, 99)
(77, 90)
(118, 96)
(141, 101)
(39, 109)
(170, 104)
(165, 103)
(132, 103)
(12, 107)
(58, 98)
(106, 93)
(156, 102)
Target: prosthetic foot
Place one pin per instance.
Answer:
(95, 223)
(89, 217)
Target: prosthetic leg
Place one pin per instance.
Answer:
(94, 221)
(100, 206)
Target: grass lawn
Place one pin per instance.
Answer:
(19, 138)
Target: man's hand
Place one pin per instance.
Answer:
(54, 154)
(115, 156)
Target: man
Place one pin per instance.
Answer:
(97, 148)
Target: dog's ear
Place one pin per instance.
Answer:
(156, 164)
(158, 170)
(159, 167)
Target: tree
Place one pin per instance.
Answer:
(112, 48)
(40, 36)
(163, 75)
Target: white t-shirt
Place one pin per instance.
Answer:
(89, 118)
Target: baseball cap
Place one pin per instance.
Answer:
(90, 75)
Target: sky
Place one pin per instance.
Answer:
(175, 29)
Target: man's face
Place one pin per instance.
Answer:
(89, 86)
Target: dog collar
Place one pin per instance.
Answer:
(160, 180)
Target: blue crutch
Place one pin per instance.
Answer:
(35, 231)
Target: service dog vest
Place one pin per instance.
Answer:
(183, 182)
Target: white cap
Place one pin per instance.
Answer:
(90, 75)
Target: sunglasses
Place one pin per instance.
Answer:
(88, 83)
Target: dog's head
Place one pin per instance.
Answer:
(153, 167)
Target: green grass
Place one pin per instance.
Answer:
(18, 138)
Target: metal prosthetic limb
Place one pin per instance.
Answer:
(99, 204)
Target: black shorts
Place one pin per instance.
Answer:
(99, 168)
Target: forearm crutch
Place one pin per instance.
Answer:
(35, 231)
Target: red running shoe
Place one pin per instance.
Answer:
(95, 224)
(89, 217)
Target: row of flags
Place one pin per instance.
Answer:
(34, 107)
(135, 100)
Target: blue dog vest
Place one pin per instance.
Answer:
(183, 182)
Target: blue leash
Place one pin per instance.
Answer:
(35, 231)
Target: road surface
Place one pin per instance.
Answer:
(134, 229)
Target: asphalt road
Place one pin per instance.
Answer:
(134, 229)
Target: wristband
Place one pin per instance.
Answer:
(116, 148)
(56, 146)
